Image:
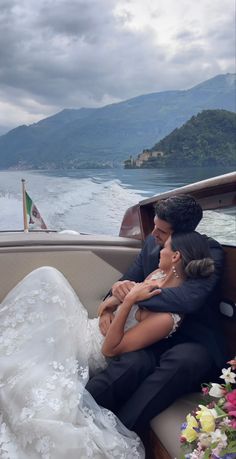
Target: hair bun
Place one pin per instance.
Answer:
(200, 268)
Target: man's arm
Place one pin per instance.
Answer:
(193, 293)
(135, 273)
(146, 261)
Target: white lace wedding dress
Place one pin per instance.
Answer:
(47, 344)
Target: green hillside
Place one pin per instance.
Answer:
(207, 139)
(99, 137)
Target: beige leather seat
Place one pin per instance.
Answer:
(167, 425)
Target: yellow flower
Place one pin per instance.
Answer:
(189, 432)
(207, 419)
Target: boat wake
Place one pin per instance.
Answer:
(86, 205)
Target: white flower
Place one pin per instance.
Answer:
(26, 414)
(216, 390)
(55, 299)
(219, 437)
(228, 375)
(50, 386)
(50, 340)
(55, 404)
(225, 422)
(197, 454)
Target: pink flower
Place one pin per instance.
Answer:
(231, 403)
(233, 363)
(183, 439)
(233, 423)
(216, 420)
(205, 390)
(231, 397)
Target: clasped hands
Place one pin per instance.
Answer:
(121, 290)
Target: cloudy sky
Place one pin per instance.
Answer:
(59, 54)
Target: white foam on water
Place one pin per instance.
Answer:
(11, 213)
(87, 205)
(84, 205)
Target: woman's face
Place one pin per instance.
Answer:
(166, 256)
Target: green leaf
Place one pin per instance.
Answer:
(219, 411)
(207, 454)
(231, 448)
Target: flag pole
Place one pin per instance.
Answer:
(26, 229)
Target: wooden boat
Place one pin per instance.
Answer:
(98, 261)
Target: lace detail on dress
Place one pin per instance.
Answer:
(176, 323)
(47, 344)
(8, 448)
(96, 359)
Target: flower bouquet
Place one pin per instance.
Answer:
(210, 430)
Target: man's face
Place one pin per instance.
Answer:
(161, 231)
(166, 256)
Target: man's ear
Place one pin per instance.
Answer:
(176, 256)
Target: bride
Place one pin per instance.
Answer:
(48, 347)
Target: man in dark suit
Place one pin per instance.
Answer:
(139, 385)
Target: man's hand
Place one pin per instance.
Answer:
(121, 288)
(105, 321)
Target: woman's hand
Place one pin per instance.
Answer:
(101, 308)
(109, 305)
(143, 291)
(105, 321)
(121, 288)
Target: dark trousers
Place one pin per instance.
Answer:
(138, 385)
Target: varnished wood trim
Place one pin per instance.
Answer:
(154, 448)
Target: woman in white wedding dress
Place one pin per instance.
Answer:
(47, 348)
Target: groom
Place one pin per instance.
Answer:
(138, 385)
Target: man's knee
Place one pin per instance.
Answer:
(191, 359)
(129, 363)
(121, 378)
(141, 360)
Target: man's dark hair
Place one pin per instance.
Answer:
(182, 212)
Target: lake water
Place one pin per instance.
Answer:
(92, 201)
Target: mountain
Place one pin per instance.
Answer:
(207, 139)
(106, 136)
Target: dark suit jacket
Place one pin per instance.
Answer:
(197, 299)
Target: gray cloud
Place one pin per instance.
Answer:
(73, 53)
(77, 18)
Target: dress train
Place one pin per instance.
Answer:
(47, 347)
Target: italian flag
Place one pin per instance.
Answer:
(33, 213)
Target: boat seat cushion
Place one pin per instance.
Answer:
(167, 425)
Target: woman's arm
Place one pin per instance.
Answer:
(106, 309)
(145, 333)
(105, 313)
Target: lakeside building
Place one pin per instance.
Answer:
(142, 158)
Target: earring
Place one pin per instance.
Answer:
(175, 272)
